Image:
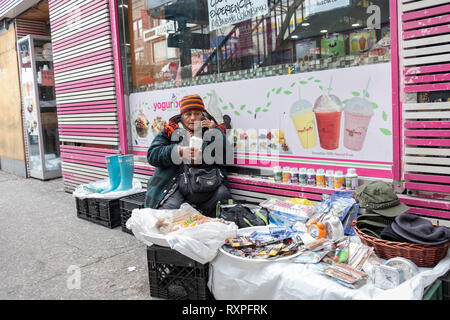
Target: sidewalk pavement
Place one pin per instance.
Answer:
(43, 243)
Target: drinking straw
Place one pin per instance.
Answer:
(329, 86)
(368, 83)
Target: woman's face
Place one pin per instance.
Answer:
(189, 118)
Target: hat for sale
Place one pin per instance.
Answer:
(379, 197)
(388, 234)
(420, 230)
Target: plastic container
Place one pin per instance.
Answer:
(329, 178)
(294, 176)
(311, 177)
(176, 277)
(277, 174)
(127, 204)
(320, 178)
(302, 176)
(339, 180)
(286, 174)
(351, 180)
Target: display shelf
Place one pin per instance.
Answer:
(41, 139)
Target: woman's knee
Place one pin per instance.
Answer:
(223, 193)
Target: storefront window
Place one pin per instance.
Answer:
(302, 83)
(173, 45)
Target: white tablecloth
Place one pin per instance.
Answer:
(232, 279)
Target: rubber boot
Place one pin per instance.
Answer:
(126, 163)
(112, 164)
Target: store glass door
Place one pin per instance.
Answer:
(39, 107)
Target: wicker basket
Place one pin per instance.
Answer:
(421, 255)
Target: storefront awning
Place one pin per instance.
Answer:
(12, 8)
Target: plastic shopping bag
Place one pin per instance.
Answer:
(93, 189)
(184, 230)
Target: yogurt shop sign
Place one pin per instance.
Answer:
(316, 6)
(226, 12)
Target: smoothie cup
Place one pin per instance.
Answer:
(357, 113)
(302, 116)
(328, 111)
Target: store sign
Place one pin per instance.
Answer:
(160, 31)
(273, 120)
(48, 78)
(227, 12)
(316, 6)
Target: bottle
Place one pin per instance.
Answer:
(329, 178)
(320, 178)
(286, 174)
(351, 180)
(277, 174)
(294, 176)
(302, 177)
(39, 76)
(338, 180)
(311, 177)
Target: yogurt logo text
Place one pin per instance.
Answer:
(166, 105)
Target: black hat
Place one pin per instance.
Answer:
(420, 230)
(391, 235)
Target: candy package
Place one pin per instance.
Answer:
(346, 275)
(239, 242)
(342, 251)
(310, 257)
(358, 255)
(302, 212)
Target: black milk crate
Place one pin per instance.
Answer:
(82, 205)
(105, 212)
(176, 277)
(127, 204)
(446, 285)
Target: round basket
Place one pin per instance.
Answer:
(422, 255)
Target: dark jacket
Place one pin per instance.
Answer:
(163, 182)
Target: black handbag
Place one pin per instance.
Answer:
(197, 184)
(243, 215)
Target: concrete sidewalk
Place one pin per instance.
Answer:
(41, 238)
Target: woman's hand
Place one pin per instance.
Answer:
(191, 154)
(208, 124)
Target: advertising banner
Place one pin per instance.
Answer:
(325, 119)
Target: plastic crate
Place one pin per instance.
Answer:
(105, 212)
(434, 291)
(82, 205)
(175, 276)
(445, 286)
(127, 204)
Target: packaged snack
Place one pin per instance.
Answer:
(239, 242)
(345, 275)
(358, 255)
(342, 252)
(310, 257)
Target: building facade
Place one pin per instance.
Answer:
(301, 84)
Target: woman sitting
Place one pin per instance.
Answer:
(173, 158)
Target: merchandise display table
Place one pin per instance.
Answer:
(231, 279)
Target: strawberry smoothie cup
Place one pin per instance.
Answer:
(328, 111)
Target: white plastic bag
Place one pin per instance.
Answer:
(93, 189)
(200, 243)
